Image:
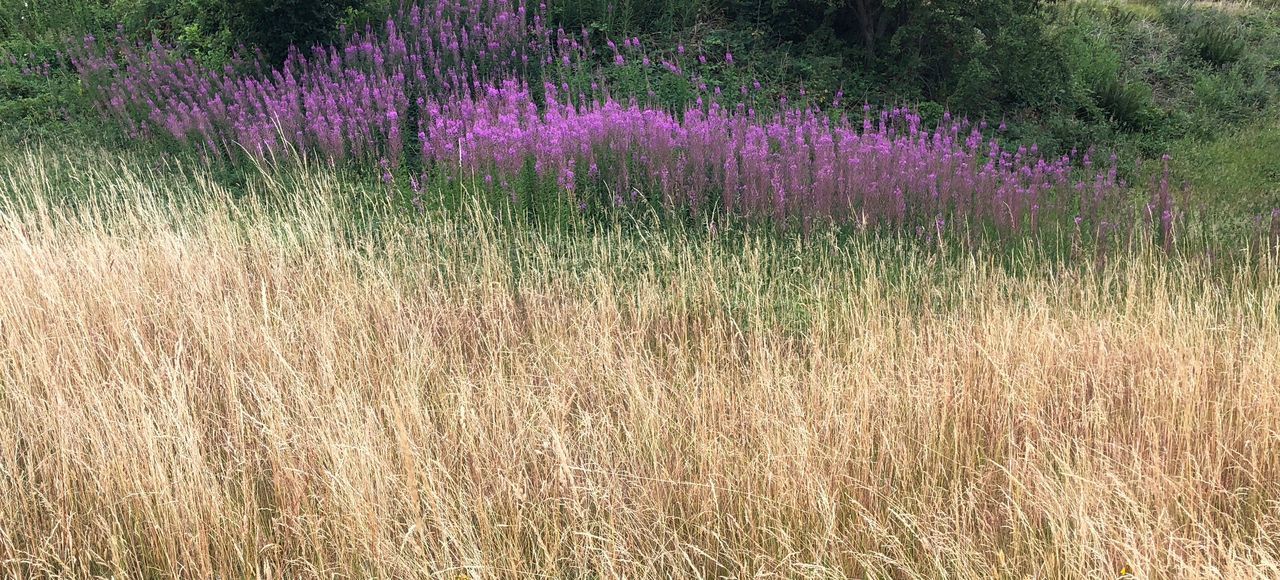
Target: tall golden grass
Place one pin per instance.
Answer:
(286, 384)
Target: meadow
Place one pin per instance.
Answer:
(264, 386)
(464, 295)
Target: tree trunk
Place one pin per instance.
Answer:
(871, 23)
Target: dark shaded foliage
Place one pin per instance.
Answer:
(275, 25)
(975, 56)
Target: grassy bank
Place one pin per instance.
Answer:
(200, 383)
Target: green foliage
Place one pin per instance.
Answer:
(976, 57)
(1128, 103)
(24, 104)
(211, 29)
(1219, 45)
(192, 25)
(1209, 33)
(931, 113)
(617, 17)
(980, 58)
(1141, 70)
(49, 20)
(1238, 173)
(39, 94)
(208, 29)
(275, 25)
(37, 106)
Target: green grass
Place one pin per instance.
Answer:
(1238, 172)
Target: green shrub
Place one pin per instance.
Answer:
(1219, 44)
(1128, 103)
(275, 25)
(209, 29)
(976, 57)
(619, 17)
(43, 104)
(1210, 33)
(46, 19)
(942, 50)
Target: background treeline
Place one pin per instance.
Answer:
(1139, 77)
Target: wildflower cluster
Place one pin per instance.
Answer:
(491, 90)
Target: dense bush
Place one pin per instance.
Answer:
(210, 29)
(215, 28)
(622, 17)
(1218, 44)
(1210, 34)
(32, 20)
(275, 25)
(973, 56)
(1128, 103)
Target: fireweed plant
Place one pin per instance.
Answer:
(488, 91)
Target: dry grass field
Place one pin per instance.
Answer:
(285, 385)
